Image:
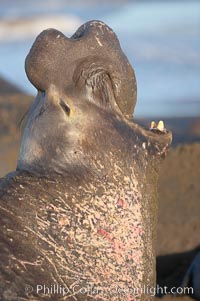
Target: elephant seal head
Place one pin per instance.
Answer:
(91, 59)
(85, 102)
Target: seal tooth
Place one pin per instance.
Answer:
(161, 126)
(153, 125)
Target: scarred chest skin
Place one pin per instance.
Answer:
(92, 235)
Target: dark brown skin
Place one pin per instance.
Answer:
(80, 212)
(93, 50)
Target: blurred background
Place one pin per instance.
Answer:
(160, 38)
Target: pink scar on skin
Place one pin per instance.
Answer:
(118, 247)
(105, 234)
(122, 203)
(138, 230)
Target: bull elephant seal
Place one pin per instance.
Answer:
(78, 217)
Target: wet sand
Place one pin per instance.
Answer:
(179, 189)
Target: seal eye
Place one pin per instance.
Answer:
(65, 107)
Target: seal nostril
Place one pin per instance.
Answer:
(65, 107)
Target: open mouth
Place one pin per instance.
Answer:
(160, 128)
(65, 107)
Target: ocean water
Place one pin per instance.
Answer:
(160, 38)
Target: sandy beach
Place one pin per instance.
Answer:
(179, 190)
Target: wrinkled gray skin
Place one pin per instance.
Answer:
(79, 214)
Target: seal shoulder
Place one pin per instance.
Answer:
(10, 182)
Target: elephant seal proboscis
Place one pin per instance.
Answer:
(78, 217)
